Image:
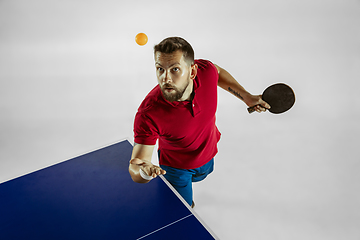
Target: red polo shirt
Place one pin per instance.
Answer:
(186, 130)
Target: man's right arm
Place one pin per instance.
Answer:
(141, 159)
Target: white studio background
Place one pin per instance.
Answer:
(72, 77)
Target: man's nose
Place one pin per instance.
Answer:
(167, 77)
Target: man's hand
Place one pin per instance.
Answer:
(260, 105)
(149, 168)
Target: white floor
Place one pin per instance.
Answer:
(72, 84)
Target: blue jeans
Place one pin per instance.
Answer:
(182, 179)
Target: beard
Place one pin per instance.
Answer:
(175, 94)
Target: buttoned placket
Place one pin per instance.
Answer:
(195, 107)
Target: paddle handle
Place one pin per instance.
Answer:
(251, 109)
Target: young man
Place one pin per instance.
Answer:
(180, 113)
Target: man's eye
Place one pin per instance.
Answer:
(160, 69)
(176, 69)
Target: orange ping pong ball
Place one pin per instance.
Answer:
(141, 39)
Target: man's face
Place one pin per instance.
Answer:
(174, 76)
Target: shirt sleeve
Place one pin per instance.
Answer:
(209, 68)
(145, 130)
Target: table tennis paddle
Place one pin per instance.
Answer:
(279, 96)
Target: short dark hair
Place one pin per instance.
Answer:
(173, 44)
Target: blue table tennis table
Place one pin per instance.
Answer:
(93, 197)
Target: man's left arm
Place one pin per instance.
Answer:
(229, 83)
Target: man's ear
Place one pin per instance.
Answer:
(193, 73)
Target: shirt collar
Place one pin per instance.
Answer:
(194, 103)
